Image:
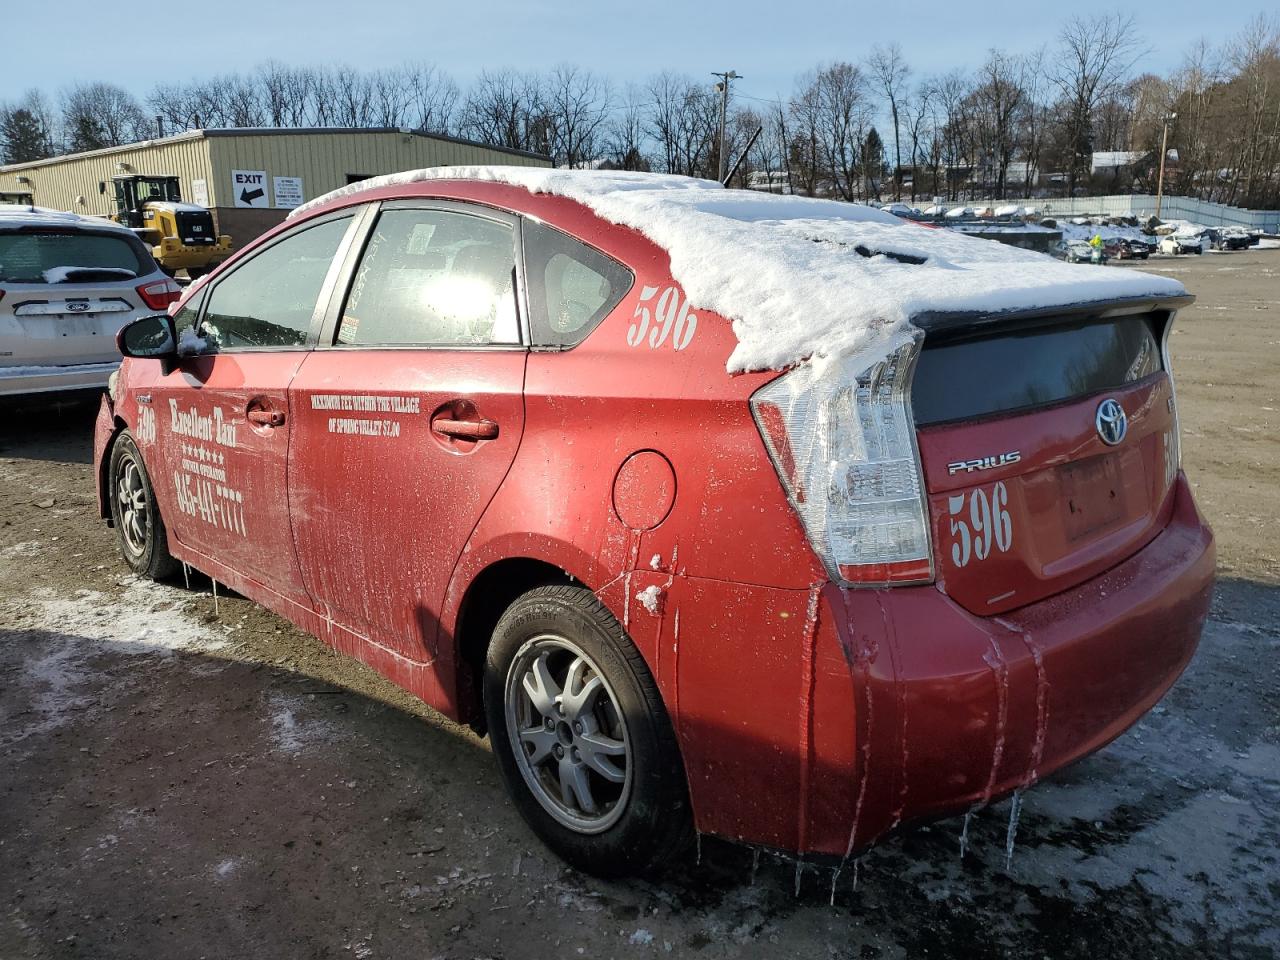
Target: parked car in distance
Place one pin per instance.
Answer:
(1136, 249)
(1073, 251)
(1116, 248)
(67, 284)
(1180, 243)
(685, 574)
(1231, 238)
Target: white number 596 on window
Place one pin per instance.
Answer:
(983, 526)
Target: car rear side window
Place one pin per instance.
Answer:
(433, 277)
(269, 300)
(1020, 369)
(572, 287)
(53, 256)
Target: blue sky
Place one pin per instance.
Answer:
(767, 41)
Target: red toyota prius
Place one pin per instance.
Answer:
(771, 518)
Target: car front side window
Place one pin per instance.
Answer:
(433, 277)
(270, 300)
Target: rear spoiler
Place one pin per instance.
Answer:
(946, 324)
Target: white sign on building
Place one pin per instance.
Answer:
(200, 192)
(288, 191)
(249, 188)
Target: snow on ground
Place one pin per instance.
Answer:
(145, 619)
(785, 270)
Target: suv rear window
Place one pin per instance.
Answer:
(1019, 369)
(572, 287)
(36, 256)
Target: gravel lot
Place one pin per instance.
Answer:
(184, 780)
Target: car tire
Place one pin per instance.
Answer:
(140, 530)
(595, 770)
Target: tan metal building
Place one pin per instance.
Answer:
(249, 178)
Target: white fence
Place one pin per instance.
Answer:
(1144, 205)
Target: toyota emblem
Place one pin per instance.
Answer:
(1111, 422)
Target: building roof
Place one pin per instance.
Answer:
(1115, 158)
(213, 132)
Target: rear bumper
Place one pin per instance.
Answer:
(181, 256)
(15, 381)
(899, 705)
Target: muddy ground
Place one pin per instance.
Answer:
(183, 781)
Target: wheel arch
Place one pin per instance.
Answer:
(116, 427)
(487, 597)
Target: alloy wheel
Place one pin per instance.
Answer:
(131, 497)
(568, 734)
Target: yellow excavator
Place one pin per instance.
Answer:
(181, 235)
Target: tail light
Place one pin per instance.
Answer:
(842, 439)
(160, 294)
(1173, 447)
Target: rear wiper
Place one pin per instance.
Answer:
(863, 250)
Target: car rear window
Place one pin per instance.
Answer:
(572, 286)
(42, 256)
(1016, 370)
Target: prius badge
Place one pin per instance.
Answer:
(1111, 422)
(984, 463)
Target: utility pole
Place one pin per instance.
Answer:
(1164, 152)
(723, 86)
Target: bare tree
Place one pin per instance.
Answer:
(951, 97)
(102, 115)
(576, 105)
(391, 97)
(683, 120)
(918, 111)
(1254, 58)
(890, 71)
(1093, 59)
(434, 98)
(625, 136)
(996, 100)
(835, 111)
(504, 108)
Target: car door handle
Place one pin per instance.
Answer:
(466, 429)
(265, 418)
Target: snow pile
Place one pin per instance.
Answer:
(146, 618)
(58, 675)
(190, 344)
(799, 277)
(651, 599)
(1185, 228)
(63, 274)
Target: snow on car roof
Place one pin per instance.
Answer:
(12, 215)
(793, 274)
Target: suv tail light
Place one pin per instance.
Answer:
(159, 294)
(842, 439)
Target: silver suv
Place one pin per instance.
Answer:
(67, 284)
